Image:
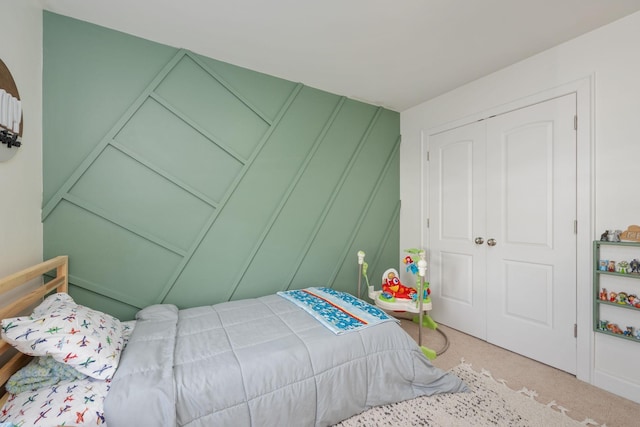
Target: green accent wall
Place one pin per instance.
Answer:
(173, 177)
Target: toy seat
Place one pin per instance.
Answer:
(396, 297)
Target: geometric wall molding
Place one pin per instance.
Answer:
(209, 182)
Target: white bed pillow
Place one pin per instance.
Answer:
(88, 340)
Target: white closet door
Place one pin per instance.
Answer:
(531, 209)
(502, 201)
(457, 217)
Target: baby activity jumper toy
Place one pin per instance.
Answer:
(396, 298)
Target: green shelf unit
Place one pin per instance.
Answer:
(599, 274)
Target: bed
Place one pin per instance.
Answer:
(267, 361)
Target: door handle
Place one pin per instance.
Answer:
(491, 242)
(479, 240)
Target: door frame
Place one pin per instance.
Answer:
(585, 186)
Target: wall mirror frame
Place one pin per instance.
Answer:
(11, 120)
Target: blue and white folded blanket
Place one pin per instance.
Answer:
(338, 311)
(41, 372)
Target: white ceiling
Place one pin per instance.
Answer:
(394, 53)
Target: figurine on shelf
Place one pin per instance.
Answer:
(628, 332)
(611, 236)
(623, 267)
(612, 296)
(604, 296)
(622, 298)
(611, 266)
(631, 234)
(603, 264)
(612, 327)
(638, 333)
(602, 325)
(635, 266)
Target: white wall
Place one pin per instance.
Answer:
(21, 176)
(607, 61)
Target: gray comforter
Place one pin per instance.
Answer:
(261, 362)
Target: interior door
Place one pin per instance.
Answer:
(531, 212)
(502, 197)
(457, 200)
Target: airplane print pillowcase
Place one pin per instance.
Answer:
(68, 403)
(88, 340)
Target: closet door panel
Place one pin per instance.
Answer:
(531, 208)
(528, 183)
(456, 198)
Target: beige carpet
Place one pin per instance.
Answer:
(488, 403)
(580, 401)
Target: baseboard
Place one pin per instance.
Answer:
(617, 386)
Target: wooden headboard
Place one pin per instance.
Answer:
(29, 298)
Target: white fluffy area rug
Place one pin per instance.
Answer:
(490, 403)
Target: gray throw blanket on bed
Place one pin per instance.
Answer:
(41, 372)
